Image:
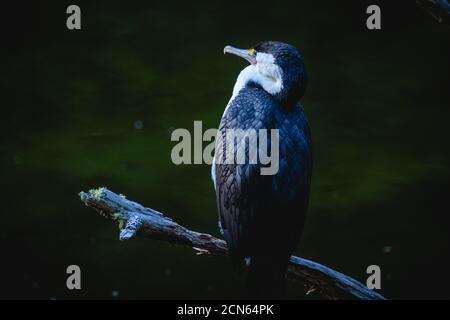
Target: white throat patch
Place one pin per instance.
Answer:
(265, 73)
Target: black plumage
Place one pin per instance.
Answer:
(262, 216)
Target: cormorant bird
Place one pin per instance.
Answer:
(262, 216)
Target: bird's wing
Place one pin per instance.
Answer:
(245, 198)
(236, 184)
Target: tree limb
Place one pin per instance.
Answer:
(438, 9)
(135, 219)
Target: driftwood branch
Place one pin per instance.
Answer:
(134, 219)
(438, 9)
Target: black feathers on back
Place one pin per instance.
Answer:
(262, 216)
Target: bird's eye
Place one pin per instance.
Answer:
(252, 52)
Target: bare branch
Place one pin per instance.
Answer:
(136, 219)
(438, 9)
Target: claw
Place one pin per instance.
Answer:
(311, 290)
(201, 251)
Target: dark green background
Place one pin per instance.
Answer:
(377, 101)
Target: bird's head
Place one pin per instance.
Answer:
(275, 66)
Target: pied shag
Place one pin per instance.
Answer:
(262, 216)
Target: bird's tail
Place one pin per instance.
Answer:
(266, 277)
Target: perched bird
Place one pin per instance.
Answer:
(262, 216)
